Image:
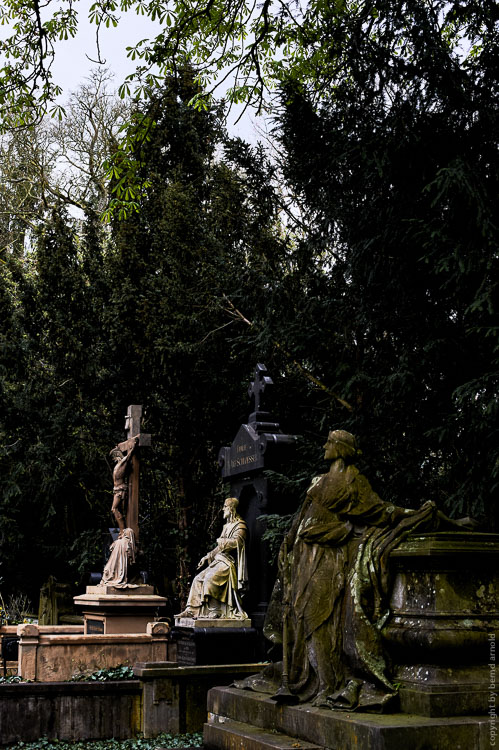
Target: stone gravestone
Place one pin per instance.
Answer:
(258, 445)
(120, 604)
(56, 604)
(211, 632)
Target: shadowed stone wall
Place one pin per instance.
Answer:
(69, 710)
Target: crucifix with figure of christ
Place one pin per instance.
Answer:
(126, 472)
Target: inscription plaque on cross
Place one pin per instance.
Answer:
(135, 439)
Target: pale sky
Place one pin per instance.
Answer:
(72, 62)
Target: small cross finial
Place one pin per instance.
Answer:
(258, 385)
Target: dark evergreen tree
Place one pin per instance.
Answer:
(202, 240)
(53, 416)
(397, 165)
(142, 313)
(12, 370)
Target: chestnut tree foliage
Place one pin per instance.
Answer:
(360, 265)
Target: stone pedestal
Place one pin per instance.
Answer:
(211, 622)
(207, 641)
(174, 697)
(242, 719)
(107, 609)
(445, 616)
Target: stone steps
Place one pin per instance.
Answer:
(243, 720)
(235, 735)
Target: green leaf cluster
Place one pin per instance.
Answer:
(120, 672)
(165, 740)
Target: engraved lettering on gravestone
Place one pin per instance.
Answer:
(245, 453)
(244, 461)
(95, 626)
(186, 652)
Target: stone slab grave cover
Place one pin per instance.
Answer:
(122, 603)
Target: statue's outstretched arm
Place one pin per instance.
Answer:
(206, 560)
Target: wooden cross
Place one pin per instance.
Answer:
(132, 429)
(258, 385)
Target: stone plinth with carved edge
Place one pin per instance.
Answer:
(210, 622)
(109, 609)
(444, 613)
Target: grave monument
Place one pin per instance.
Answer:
(380, 610)
(121, 602)
(259, 444)
(211, 632)
(214, 628)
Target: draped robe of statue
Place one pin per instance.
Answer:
(225, 577)
(335, 576)
(122, 555)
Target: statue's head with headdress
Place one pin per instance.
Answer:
(341, 444)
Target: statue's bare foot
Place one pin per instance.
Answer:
(187, 613)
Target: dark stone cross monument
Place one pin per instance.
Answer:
(258, 445)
